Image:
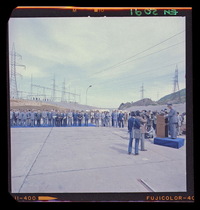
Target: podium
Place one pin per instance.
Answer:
(162, 134)
(161, 127)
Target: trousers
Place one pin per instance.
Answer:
(131, 142)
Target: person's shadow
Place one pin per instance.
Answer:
(120, 148)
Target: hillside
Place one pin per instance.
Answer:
(31, 104)
(174, 98)
(142, 102)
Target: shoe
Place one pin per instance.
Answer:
(136, 153)
(129, 153)
(144, 150)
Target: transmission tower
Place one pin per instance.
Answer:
(63, 97)
(176, 85)
(175, 81)
(54, 89)
(142, 91)
(13, 73)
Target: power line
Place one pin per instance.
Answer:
(151, 53)
(121, 62)
(140, 73)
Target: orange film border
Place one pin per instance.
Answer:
(101, 8)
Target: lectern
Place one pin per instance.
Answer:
(161, 127)
(162, 134)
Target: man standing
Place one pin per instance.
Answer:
(86, 116)
(115, 118)
(121, 119)
(134, 131)
(143, 122)
(179, 123)
(19, 119)
(38, 118)
(173, 121)
(69, 117)
(92, 117)
(75, 118)
(97, 116)
(28, 121)
(49, 117)
(80, 117)
(11, 117)
(103, 119)
(64, 123)
(44, 117)
(32, 118)
(107, 119)
(54, 116)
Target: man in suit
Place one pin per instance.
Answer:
(11, 117)
(70, 118)
(20, 117)
(49, 117)
(58, 119)
(44, 117)
(38, 118)
(28, 114)
(103, 119)
(172, 121)
(32, 118)
(86, 116)
(134, 131)
(80, 117)
(115, 118)
(54, 118)
(121, 119)
(143, 130)
(75, 118)
(64, 118)
(97, 117)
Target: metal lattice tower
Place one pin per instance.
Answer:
(63, 97)
(54, 89)
(176, 85)
(142, 91)
(13, 73)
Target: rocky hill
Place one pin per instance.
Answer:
(174, 98)
(142, 102)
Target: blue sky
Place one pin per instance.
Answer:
(116, 55)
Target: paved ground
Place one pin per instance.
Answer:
(91, 159)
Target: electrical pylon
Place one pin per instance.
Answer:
(13, 73)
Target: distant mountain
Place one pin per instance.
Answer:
(174, 98)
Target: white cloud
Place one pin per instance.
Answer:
(82, 50)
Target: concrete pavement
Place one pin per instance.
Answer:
(91, 159)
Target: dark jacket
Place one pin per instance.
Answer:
(133, 122)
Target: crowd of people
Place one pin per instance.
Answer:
(138, 126)
(141, 124)
(57, 118)
(114, 118)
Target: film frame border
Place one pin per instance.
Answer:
(71, 11)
